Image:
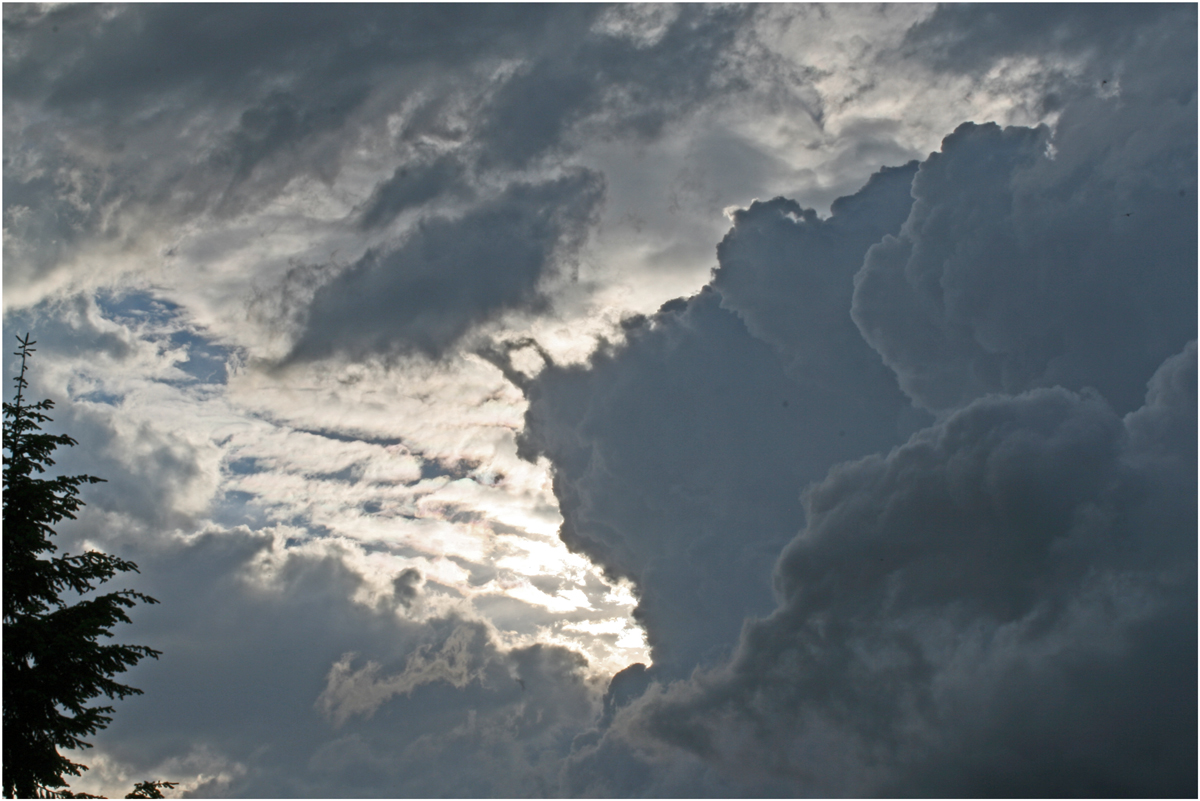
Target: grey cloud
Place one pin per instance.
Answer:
(452, 274)
(67, 326)
(407, 586)
(72, 56)
(623, 687)
(1092, 49)
(496, 722)
(263, 153)
(250, 632)
(789, 276)
(679, 456)
(1015, 270)
(157, 476)
(151, 474)
(657, 448)
(620, 767)
(241, 664)
(972, 37)
(1038, 258)
(610, 81)
(1005, 604)
(410, 187)
(350, 692)
(177, 111)
(511, 746)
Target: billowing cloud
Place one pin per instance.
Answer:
(874, 468)
(1005, 604)
(789, 276)
(1039, 258)
(966, 613)
(679, 455)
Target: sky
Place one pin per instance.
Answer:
(624, 401)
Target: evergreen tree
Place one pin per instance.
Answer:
(53, 662)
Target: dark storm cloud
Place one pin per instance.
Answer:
(1004, 605)
(789, 276)
(410, 187)
(1016, 270)
(680, 455)
(1034, 258)
(658, 449)
(1001, 603)
(452, 273)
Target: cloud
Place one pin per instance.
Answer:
(408, 557)
(1004, 604)
(612, 81)
(963, 38)
(357, 189)
(351, 692)
(96, 369)
(407, 586)
(452, 273)
(1042, 258)
(679, 456)
(142, 129)
(789, 276)
(410, 187)
(257, 637)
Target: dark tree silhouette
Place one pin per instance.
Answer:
(53, 662)
(150, 789)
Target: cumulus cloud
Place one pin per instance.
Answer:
(1038, 258)
(939, 380)
(1004, 604)
(680, 454)
(789, 276)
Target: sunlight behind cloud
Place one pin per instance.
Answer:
(461, 374)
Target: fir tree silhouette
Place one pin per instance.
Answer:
(54, 663)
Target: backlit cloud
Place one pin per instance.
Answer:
(624, 400)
